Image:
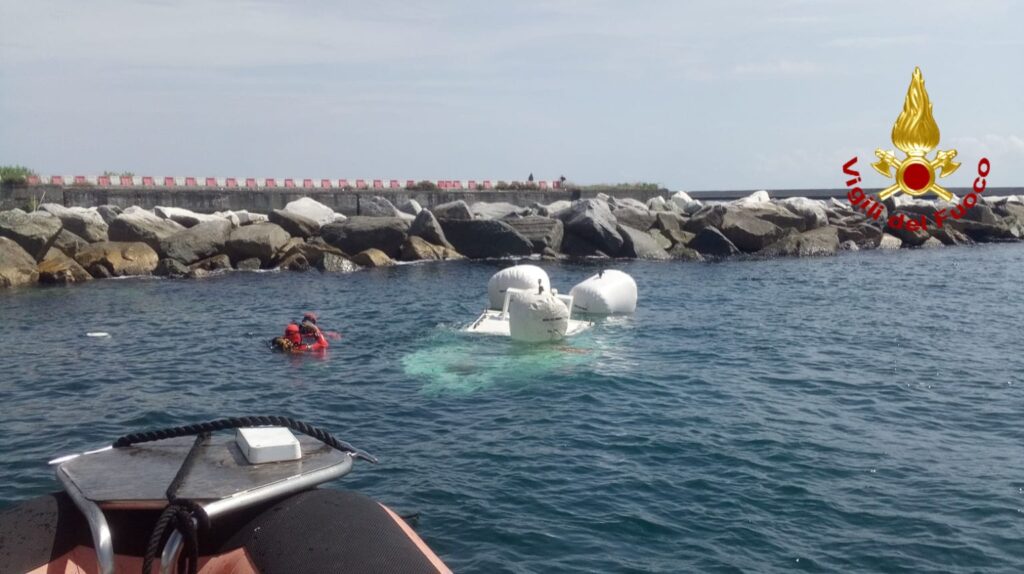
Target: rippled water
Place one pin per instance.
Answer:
(861, 413)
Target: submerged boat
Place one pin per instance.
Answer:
(187, 500)
(523, 306)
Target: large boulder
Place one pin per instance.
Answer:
(85, 223)
(631, 216)
(758, 197)
(591, 220)
(906, 227)
(311, 209)
(823, 241)
(639, 244)
(295, 224)
(57, 268)
(710, 242)
(184, 217)
(17, 267)
(333, 263)
(749, 233)
(453, 210)
(425, 225)
(357, 234)
(707, 216)
(34, 232)
(684, 253)
(666, 220)
(678, 236)
(485, 238)
(118, 258)
(170, 268)
(416, 248)
(949, 236)
(889, 242)
(372, 258)
(377, 206)
(775, 214)
(315, 252)
(683, 203)
(575, 246)
(262, 240)
(411, 207)
(197, 242)
(218, 262)
(552, 209)
(865, 235)
(108, 212)
(543, 232)
(812, 211)
(985, 232)
(499, 210)
(141, 225)
(68, 243)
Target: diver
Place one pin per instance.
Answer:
(292, 341)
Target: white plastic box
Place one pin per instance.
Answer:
(268, 444)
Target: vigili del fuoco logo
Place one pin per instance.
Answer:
(916, 134)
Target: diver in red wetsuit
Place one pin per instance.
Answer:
(292, 341)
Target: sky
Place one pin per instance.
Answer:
(691, 95)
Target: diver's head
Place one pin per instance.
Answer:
(291, 332)
(309, 317)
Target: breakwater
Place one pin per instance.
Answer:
(207, 199)
(58, 244)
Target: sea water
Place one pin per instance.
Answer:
(857, 413)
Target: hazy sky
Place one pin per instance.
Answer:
(693, 95)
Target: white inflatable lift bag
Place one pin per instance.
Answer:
(536, 317)
(607, 293)
(515, 277)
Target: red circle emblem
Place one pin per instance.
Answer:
(916, 176)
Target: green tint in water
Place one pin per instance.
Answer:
(455, 362)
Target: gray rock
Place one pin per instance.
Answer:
(749, 233)
(500, 210)
(707, 216)
(377, 206)
(334, 263)
(543, 232)
(1009, 208)
(117, 258)
(68, 243)
(426, 226)
(143, 226)
(639, 244)
(357, 234)
(636, 218)
(931, 243)
(552, 209)
(684, 253)
(167, 267)
(108, 212)
(485, 238)
(575, 246)
(17, 267)
(591, 220)
(889, 242)
(776, 215)
(863, 234)
(910, 237)
(678, 236)
(295, 262)
(823, 241)
(197, 242)
(250, 264)
(185, 217)
(219, 262)
(452, 210)
(84, 223)
(372, 258)
(985, 232)
(710, 242)
(949, 236)
(410, 206)
(57, 268)
(982, 213)
(660, 238)
(35, 232)
(418, 249)
(666, 220)
(812, 211)
(262, 240)
(312, 209)
(849, 246)
(295, 224)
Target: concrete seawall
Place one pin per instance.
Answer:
(208, 200)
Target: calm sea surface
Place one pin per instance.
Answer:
(863, 413)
